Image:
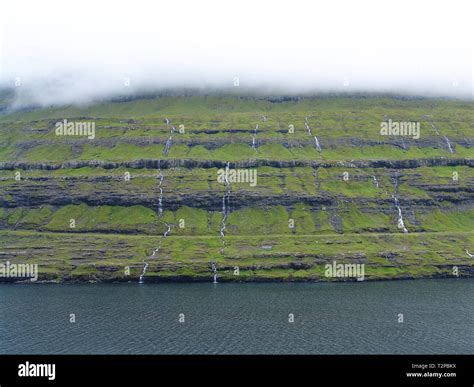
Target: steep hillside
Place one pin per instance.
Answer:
(250, 189)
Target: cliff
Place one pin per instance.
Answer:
(143, 198)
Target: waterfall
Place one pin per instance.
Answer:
(165, 234)
(307, 126)
(435, 128)
(224, 198)
(224, 211)
(449, 144)
(154, 253)
(401, 223)
(376, 181)
(468, 253)
(160, 198)
(168, 142)
(226, 176)
(318, 147)
(316, 141)
(214, 272)
(140, 281)
(167, 146)
(254, 146)
(167, 231)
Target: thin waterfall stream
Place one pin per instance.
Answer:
(401, 223)
(155, 251)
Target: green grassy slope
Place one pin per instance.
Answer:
(308, 207)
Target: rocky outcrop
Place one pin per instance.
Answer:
(191, 163)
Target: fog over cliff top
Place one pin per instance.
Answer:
(55, 52)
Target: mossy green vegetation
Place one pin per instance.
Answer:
(87, 209)
(222, 130)
(106, 257)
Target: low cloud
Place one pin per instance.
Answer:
(58, 54)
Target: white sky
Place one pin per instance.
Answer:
(67, 51)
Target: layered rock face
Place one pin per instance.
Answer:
(239, 189)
